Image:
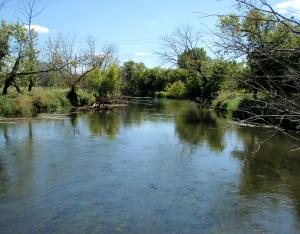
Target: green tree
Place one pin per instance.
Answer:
(177, 90)
(205, 85)
(192, 59)
(270, 47)
(14, 53)
(132, 74)
(110, 82)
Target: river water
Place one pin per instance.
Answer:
(156, 166)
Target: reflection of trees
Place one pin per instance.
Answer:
(272, 166)
(132, 115)
(196, 127)
(105, 122)
(17, 166)
(3, 176)
(154, 110)
(192, 125)
(74, 118)
(3, 169)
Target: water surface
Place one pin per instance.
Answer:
(152, 167)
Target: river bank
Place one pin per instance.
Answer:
(50, 101)
(243, 109)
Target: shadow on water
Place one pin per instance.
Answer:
(122, 171)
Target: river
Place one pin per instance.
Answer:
(156, 166)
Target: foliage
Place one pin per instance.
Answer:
(205, 85)
(176, 90)
(30, 103)
(85, 98)
(192, 59)
(7, 107)
(131, 76)
(18, 53)
(110, 83)
(270, 47)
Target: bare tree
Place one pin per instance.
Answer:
(31, 9)
(3, 3)
(78, 63)
(183, 39)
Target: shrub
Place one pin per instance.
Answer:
(23, 106)
(85, 98)
(161, 94)
(49, 100)
(176, 90)
(7, 107)
(37, 101)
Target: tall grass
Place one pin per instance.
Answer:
(40, 100)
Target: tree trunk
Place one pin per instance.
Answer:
(17, 88)
(11, 78)
(7, 84)
(31, 85)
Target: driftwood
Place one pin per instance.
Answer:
(102, 104)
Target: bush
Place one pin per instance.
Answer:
(23, 106)
(7, 107)
(78, 97)
(37, 101)
(176, 90)
(49, 100)
(161, 94)
(228, 101)
(85, 98)
(110, 83)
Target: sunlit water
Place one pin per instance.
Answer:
(152, 167)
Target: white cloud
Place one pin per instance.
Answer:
(142, 54)
(38, 28)
(289, 5)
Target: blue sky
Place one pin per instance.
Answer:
(135, 26)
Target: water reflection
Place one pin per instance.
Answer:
(197, 127)
(124, 171)
(104, 123)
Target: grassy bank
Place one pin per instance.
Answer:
(40, 100)
(261, 111)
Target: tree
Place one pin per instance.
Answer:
(184, 40)
(269, 42)
(14, 51)
(3, 3)
(76, 65)
(153, 80)
(31, 9)
(204, 86)
(18, 50)
(192, 59)
(269, 47)
(131, 74)
(109, 85)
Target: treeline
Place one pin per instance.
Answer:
(255, 70)
(202, 84)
